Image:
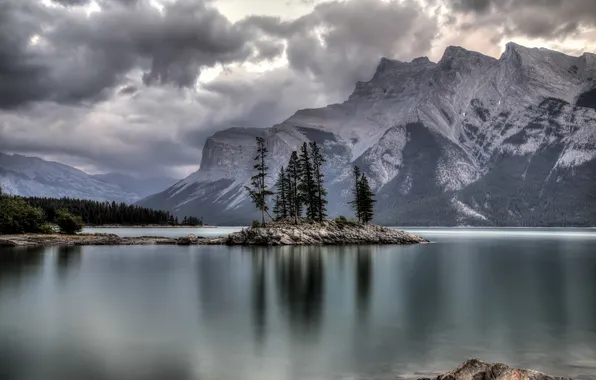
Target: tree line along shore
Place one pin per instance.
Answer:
(20, 215)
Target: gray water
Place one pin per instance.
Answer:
(207, 232)
(523, 296)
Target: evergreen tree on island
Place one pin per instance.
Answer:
(320, 192)
(259, 192)
(307, 183)
(367, 200)
(355, 203)
(293, 175)
(281, 208)
(363, 200)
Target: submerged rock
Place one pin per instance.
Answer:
(329, 232)
(475, 369)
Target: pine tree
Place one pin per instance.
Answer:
(293, 179)
(355, 203)
(259, 192)
(307, 183)
(281, 200)
(320, 192)
(277, 208)
(367, 200)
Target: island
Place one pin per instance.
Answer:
(475, 369)
(328, 232)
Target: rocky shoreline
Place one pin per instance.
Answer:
(145, 226)
(34, 240)
(273, 234)
(475, 369)
(329, 232)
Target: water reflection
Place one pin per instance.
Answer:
(364, 274)
(300, 281)
(16, 264)
(68, 259)
(297, 312)
(259, 294)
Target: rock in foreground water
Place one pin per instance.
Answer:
(475, 369)
(329, 232)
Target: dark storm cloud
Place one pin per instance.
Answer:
(79, 58)
(116, 90)
(530, 18)
(341, 42)
(472, 5)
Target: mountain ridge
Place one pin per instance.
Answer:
(432, 137)
(36, 177)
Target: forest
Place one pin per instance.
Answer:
(109, 213)
(39, 215)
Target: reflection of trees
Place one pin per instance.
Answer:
(213, 285)
(424, 304)
(300, 283)
(16, 264)
(259, 294)
(68, 258)
(364, 273)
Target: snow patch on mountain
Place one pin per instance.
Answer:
(466, 212)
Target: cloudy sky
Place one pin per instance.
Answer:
(137, 86)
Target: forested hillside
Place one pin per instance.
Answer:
(104, 213)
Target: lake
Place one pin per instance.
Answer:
(526, 297)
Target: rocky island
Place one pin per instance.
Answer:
(475, 369)
(329, 232)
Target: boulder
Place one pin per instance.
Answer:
(475, 369)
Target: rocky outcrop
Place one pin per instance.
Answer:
(475, 369)
(325, 233)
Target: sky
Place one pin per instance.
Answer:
(136, 86)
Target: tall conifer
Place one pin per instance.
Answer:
(320, 192)
(281, 200)
(367, 200)
(355, 203)
(293, 180)
(307, 183)
(259, 192)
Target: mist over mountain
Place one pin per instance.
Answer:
(469, 140)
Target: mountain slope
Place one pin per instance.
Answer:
(468, 140)
(142, 187)
(31, 176)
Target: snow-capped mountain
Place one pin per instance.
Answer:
(32, 176)
(470, 140)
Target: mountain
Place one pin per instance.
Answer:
(470, 140)
(142, 187)
(32, 176)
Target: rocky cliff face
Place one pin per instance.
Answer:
(470, 140)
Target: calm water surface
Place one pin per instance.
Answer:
(523, 296)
